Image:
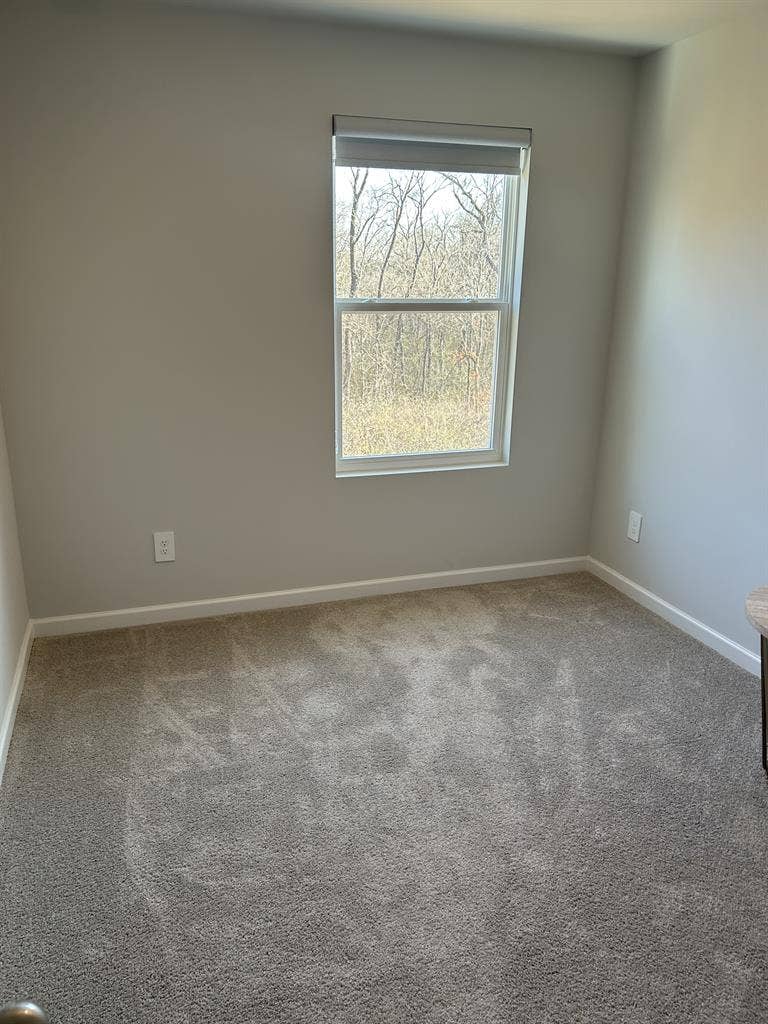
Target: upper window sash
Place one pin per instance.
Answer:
(498, 290)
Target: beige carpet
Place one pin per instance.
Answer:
(519, 802)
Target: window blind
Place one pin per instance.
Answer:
(428, 145)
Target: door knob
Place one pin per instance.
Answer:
(22, 1013)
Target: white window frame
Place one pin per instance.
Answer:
(507, 304)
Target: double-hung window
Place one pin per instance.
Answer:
(429, 222)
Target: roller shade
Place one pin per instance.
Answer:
(428, 145)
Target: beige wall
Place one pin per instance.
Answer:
(685, 438)
(13, 598)
(166, 318)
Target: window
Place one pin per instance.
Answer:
(429, 222)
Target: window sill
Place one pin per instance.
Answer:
(391, 467)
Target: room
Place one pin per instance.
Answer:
(384, 511)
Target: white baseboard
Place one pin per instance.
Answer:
(17, 685)
(89, 622)
(698, 630)
(92, 621)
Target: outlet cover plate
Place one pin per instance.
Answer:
(165, 546)
(634, 526)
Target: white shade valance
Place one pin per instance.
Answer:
(428, 145)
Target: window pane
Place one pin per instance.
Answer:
(417, 234)
(417, 382)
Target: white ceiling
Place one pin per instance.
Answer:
(629, 25)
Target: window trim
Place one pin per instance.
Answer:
(507, 303)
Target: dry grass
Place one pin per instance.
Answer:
(405, 426)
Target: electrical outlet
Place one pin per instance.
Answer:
(634, 526)
(165, 546)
